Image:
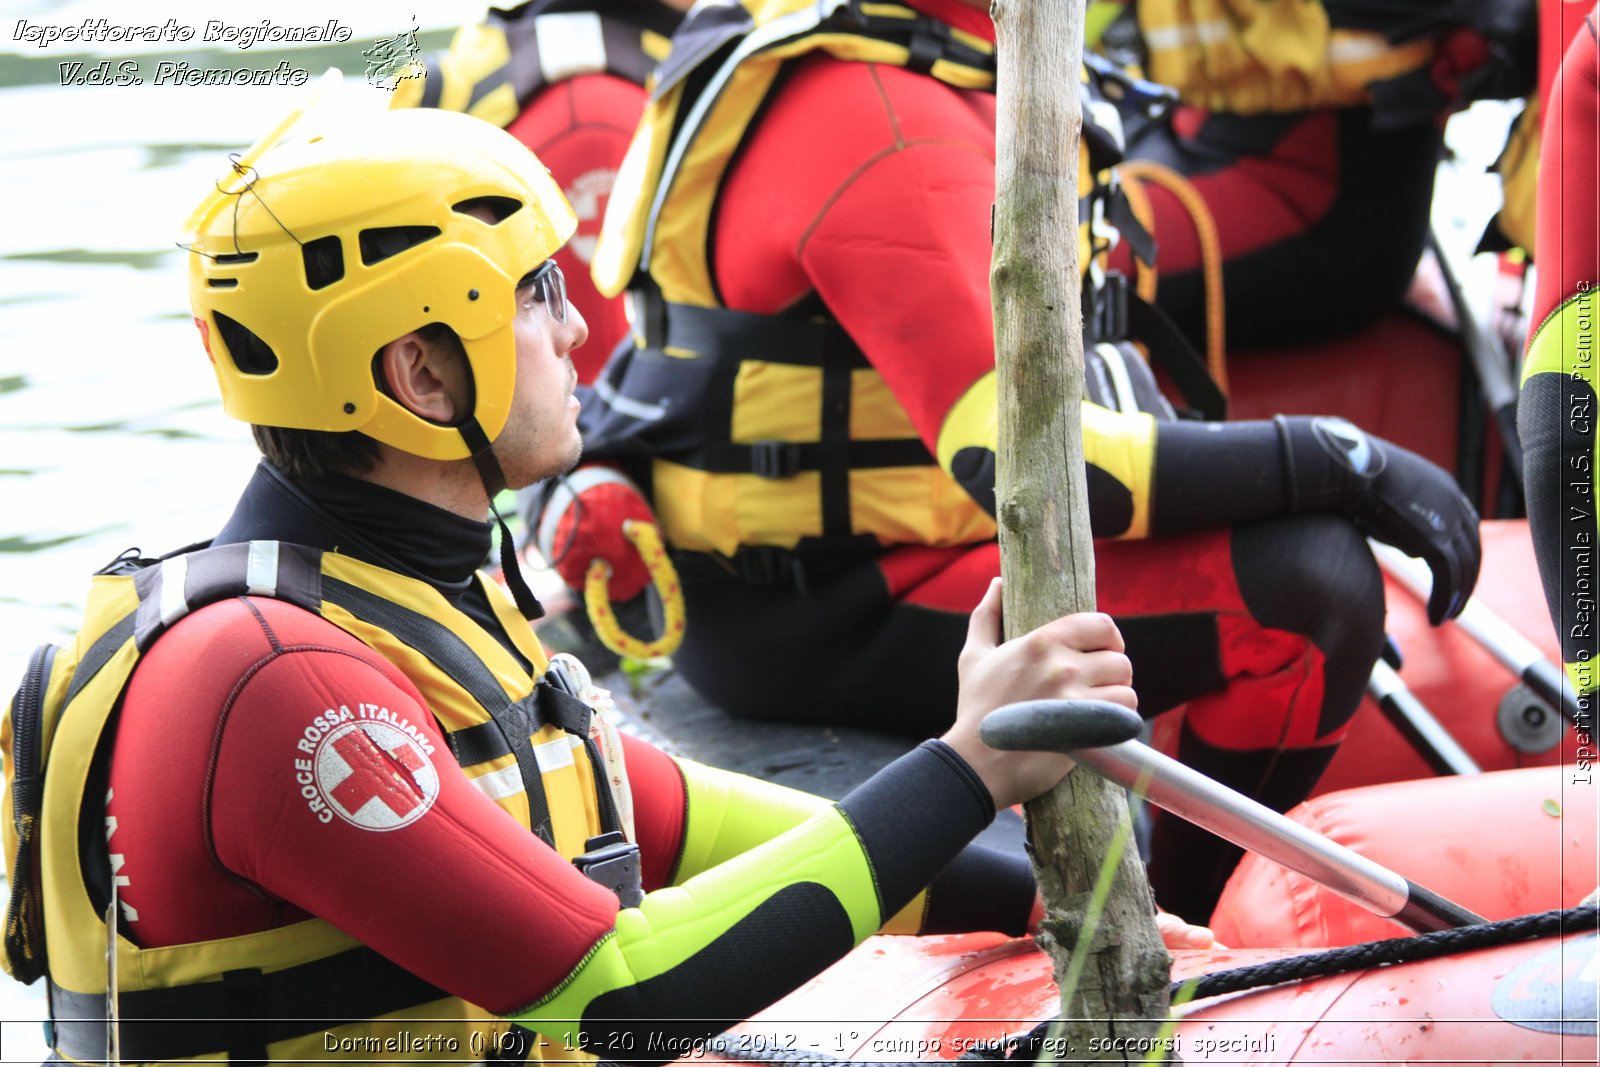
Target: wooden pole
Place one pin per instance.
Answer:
(1046, 553)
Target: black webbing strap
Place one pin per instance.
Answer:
(624, 43)
(814, 341)
(99, 654)
(720, 332)
(546, 704)
(432, 84)
(494, 481)
(704, 32)
(926, 46)
(1171, 351)
(834, 455)
(522, 64)
(785, 459)
(920, 34)
(511, 731)
(510, 725)
(1119, 212)
(480, 448)
(240, 1014)
(292, 573)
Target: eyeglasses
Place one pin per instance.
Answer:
(549, 287)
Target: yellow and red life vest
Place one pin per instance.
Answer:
(812, 452)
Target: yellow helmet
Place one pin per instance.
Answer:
(326, 242)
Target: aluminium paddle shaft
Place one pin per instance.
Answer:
(1067, 726)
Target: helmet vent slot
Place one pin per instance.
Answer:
(236, 258)
(499, 208)
(250, 353)
(379, 244)
(223, 283)
(324, 260)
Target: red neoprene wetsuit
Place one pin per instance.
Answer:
(580, 128)
(1258, 200)
(217, 839)
(1569, 178)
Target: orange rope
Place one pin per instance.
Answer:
(1205, 227)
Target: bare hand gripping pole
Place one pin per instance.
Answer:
(1072, 726)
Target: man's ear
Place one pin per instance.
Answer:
(416, 376)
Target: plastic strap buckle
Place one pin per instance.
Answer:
(775, 459)
(612, 860)
(1110, 322)
(768, 565)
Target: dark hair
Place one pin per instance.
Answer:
(312, 454)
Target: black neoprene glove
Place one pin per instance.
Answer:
(1393, 495)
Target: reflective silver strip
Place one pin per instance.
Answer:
(1117, 371)
(1104, 114)
(569, 44)
(261, 568)
(498, 784)
(174, 605)
(1344, 48)
(634, 409)
(1169, 38)
(553, 755)
(567, 489)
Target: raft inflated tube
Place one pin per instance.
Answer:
(1413, 719)
(1190, 795)
(1498, 637)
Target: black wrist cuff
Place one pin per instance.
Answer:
(982, 889)
(914, 816)
(1317, 476)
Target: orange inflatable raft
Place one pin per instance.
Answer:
(1495, 840)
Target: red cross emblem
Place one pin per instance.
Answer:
(375, 776)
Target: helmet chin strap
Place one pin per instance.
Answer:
(494, 480)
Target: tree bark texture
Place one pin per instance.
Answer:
(1047, 555)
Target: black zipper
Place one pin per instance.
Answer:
(27, 713)
(24, 939)
(609, 819)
